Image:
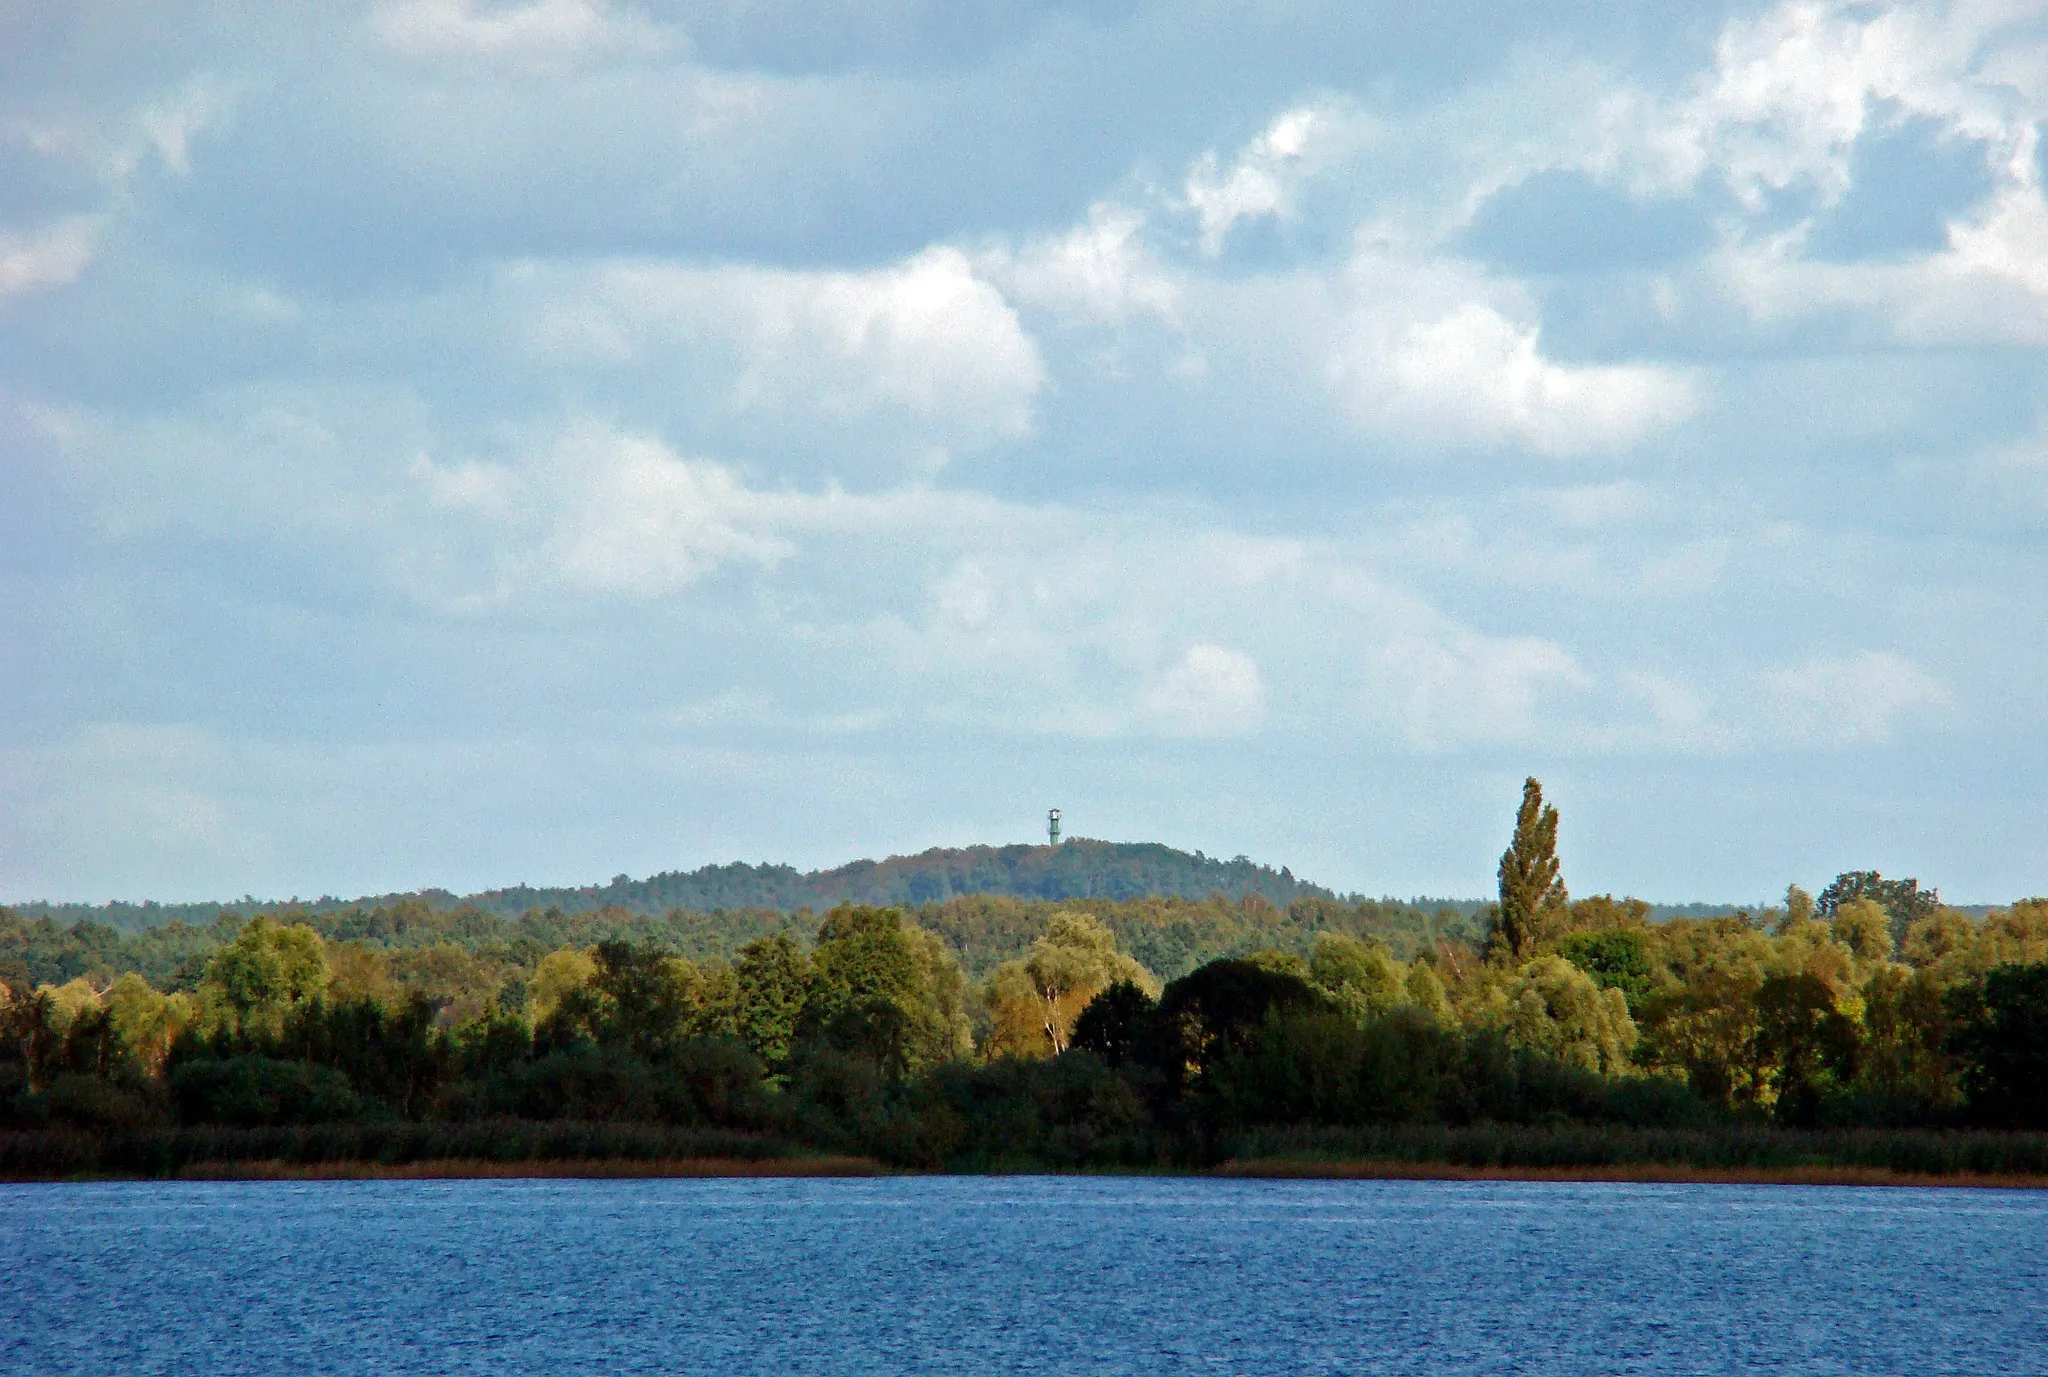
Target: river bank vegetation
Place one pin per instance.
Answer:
(1866, 1027)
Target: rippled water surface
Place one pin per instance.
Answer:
(1026, 1275)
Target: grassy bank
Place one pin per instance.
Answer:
(1614, 1152)
(584, 1168)
(394, 1148)
(518, 1148)
(1648, 1173)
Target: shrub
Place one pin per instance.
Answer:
(254, 1091)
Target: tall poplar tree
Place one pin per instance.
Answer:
(1530, 886)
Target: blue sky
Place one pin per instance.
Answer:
(459, 443)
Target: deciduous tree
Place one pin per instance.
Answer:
(266, 970)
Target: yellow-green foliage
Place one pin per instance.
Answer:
(870, 956)
(1426, 992)
(148, 1022)
(1362, 978)
(1959, 950)
(1551, 1006)
(458, 983)
(265, 971)
(1865, 929)
(356, 970)
(558, 973)
(1033, 1002)
(69, 1000)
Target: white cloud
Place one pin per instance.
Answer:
(1990, 286)
(1268, 173)
(467, 485)
(1793, 91)
(633, 518)
(1681, 715)
(1098, 272)
(540, 33)
(927, 338)
(2009, 242)
(49, 257)
(1853, 700)
(1472, 376)
(1210, 691)
(1795, 86)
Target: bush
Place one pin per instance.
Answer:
(253, 1091)
(1063, 1112)
(84, 1101)
(711, 1081)
(2002, 1034)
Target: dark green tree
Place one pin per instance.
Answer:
(1617, 959)
(1114, 1024)
(646, 998)
(1807, 1045)
(2001, 1037)
(895, 982)
(1532, 892)
(1903, 900)
(774, 978)
(1218, 1009)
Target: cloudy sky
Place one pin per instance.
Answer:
(455, 442)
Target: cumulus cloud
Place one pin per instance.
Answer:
(1412, 358)
(822, 395)
(1796, 85)
(637, 519)
(928, 337)
(1796, 90)
(1476, 374)
(1098, 272)
(49, 257)
(1267, 175)
(1038, 619)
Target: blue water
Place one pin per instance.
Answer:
(1027, 1275)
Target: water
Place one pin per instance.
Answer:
(1018, 1275)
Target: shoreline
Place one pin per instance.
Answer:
(1254, 1169)
(482, 1169)
(1640, 1173)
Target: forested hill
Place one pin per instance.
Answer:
(1078, 869)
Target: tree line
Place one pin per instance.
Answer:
(1081, 869)
(863, 1030)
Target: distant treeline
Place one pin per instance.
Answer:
(463, 956)
(988, 1031)
(1079, 869)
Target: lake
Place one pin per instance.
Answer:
(1039, 1275)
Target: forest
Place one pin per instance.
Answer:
(990, 1032)
(1081, 868)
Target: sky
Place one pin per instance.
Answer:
(458, 443)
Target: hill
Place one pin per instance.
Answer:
(1079, 869)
